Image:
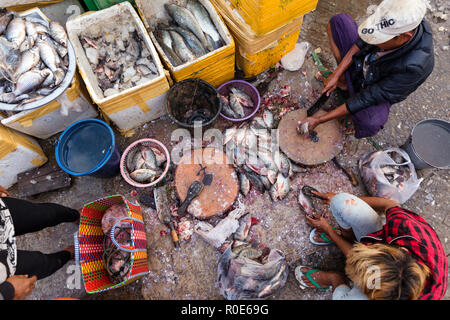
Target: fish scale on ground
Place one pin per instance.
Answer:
(33, 57)
(193, 36)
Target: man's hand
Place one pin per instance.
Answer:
(22, 285)
(3, 192)
(312, 123)
(319, 222)
(330, 83)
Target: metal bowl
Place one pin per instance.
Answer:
(67, 81)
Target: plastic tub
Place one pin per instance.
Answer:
(249, 89)
(428, 146)
(88, 147)
(193, 100)
(146, 142)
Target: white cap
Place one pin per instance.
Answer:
(392, 18)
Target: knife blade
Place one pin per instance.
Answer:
(317, 105)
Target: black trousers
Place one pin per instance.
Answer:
(32, 217)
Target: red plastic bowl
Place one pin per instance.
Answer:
(249, 89)
(148, 142)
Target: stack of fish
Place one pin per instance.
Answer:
(119, 57)
(259, 161)
(33, 57)
(251, 275)
(192, 35)
(144, 163)
(234, 105)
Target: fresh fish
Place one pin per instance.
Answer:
(191, 40)
(160, 157)
(282, 162)
(258, 123)
(28, 60)
(142, 175)
(30, 81)
(244, 183)
(131, 159)
(244, 227)
(280, 189)
(164, 35)
(255, 181)
(5, 18)
(149, 157)
(171, 54)
(251, 140)
(304, 128)
(16, 31)
(305, 204)
(267, 159)
(236, 105)
(229, 134)
(226, 108)
(50, 58)
(180, 47)
(268, 119)
(58, 33)
(298, 169)
(37, 19)
(41, 30)
(257, 166)
(244, 98)
(60, 49)
(204, 20)
(185, 19)
(217, 235)
(31, 30)
(49, 81)
(272, 176)
(266, 182)
(9, 58)
(45, 91)
(27, 44)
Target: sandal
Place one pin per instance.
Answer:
(307, 192)
(299, 274)
(322, 235)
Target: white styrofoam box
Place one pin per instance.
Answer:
(18, 153)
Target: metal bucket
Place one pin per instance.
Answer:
(88, 147)
(428, 146)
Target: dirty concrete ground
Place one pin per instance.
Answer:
(190, 272)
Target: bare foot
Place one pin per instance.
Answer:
(324, 278)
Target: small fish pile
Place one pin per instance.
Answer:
(144, 163)
(245, 272)
(33, 57)
(119, 57)
(254, 150)
(235, 104)
(191, 35)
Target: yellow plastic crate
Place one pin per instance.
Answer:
(264, 16)
(216, 67)
(255, 63)
(19, 5)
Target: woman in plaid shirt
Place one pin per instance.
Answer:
(400, 259)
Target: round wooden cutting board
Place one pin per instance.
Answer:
(223, 188)
(303, 150)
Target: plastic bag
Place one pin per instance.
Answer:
(389, 174)
(242, 278)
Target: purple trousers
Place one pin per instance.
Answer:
(369, 121)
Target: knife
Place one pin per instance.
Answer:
(317, 105)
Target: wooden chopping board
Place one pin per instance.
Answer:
(220, 194)
(302, 149)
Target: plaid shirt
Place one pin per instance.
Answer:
(407, 229)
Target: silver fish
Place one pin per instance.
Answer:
(9, 58)
(27, 44)
(236, 105)
(268, 119)
(191, 40)
(131, 160)
(31, 30)
(180, 47)
(16, 31)
(142, 175)
(50, 58)
(244, 184)
(226, 110)
(272, 176)
(30, 80)
(244, 227)
(244, 98)
(282, 162)
(258, 123)
(149, 157)
(280, 189)
(58, 33)
(174, 59)
(256, 181)
(160, 157)
(305, 204)
(204, 20)
(37, 19)
(28, 60)
(185, 19)
(267, 158)
(5, 19)
(165, 37)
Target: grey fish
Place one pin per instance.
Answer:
(280, 189)
(305, 204)
(58, 33)
(142, 175)
(131, 161)
(258, 123)
(267, 158)
(185, 19)
(5, 19)
(60, 49)
(268, 119)
(28, 60)
(170, 53)
(244, 184)
(266, 182)
(160, 157)
(16, 31)
(282, 162)
(164, 35)
(180, 47)
(9, 58)
(149, 157)
(226, 110)
(204, 20)
(31, 30)
(37, 19)
(255, 181)
(244, 228)
(191, 40)
(30, 80)
(244, 98)
(50, 58)
(236, 105)
(41, 30)
(272, 176)
(45, 91)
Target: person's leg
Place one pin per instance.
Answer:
(370, 121)
(35, 263)
(344, 292)
(31, 217)
(353, 214)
